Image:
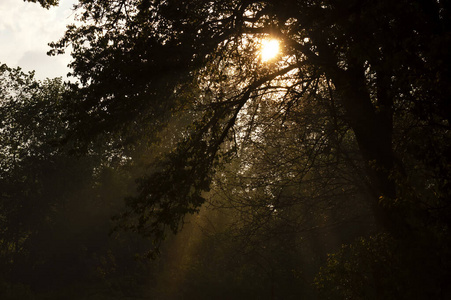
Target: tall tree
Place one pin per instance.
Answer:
(379, 65)
(55, 208)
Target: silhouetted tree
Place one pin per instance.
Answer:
(137, 61)
(377, 71)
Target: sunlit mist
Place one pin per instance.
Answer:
(269, 50)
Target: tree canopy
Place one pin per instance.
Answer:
(377, 67)
(349, 122)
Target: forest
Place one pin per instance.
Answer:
(185, 160)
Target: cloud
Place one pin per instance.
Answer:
(45, 66)
(25, 31)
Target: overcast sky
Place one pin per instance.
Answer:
(26, 29)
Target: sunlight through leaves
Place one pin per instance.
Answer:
(269, 50)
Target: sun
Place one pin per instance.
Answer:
(269, 49)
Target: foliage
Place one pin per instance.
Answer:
(28, 124)
(55, 208)
(45, 3)
(139, 62)
(350, 122)
(383, 267)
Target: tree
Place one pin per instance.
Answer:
(141, 61)
(34, 173)
(56, 207)
(23, 150)
(45, 3)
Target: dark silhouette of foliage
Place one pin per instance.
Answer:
(45, 3)
(55, 208)
(351, 122)
(370, 61)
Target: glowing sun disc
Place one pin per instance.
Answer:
(269, 50)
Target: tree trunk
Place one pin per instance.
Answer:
(373, 128)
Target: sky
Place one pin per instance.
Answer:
(25, 31)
